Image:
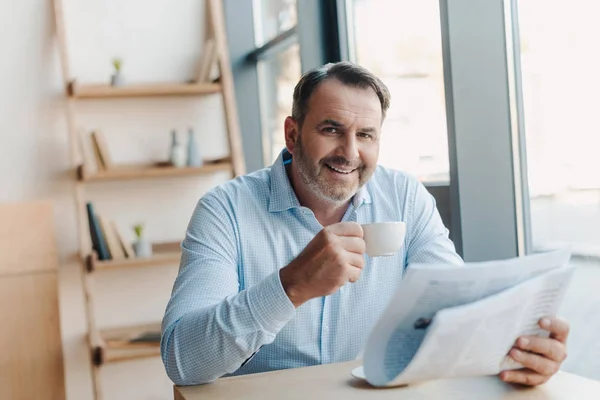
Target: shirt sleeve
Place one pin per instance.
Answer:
(428, 241)
(210, 327)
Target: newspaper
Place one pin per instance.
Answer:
(448, 321)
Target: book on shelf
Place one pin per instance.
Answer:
(206, 62)
(147, 337)
(94, 152)
(143, 339)
(115, 248)
(96, 234)
(97, 156)
(88, 156)
(103, 156)
(107, 240)
(125, 244)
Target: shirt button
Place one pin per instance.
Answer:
(326, 328)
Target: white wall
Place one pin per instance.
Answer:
(159, 40)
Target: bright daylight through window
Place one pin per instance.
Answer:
(560, 60)
(278, 73)
(400, 41)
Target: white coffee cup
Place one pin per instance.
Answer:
(384, 238)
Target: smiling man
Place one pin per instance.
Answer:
(273, 273)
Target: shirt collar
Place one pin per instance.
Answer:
(283, 197)
(362, 196)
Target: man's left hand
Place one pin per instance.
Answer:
(540, 357)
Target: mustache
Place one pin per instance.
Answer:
(342, 162)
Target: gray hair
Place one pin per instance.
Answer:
(347, 73)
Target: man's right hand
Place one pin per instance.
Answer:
(333, 258)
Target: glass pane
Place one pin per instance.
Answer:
(271, 17)
(277, 78)
(400, 41)
(560, 60)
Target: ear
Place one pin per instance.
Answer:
(291, 134)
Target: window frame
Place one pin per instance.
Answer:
(498, 198)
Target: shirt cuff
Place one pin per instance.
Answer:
(269, 303)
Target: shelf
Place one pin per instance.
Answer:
(162, 254)
(77, 91)
(132, 172)
(114, 345)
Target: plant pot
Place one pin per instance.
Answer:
(142, 248)
(116, 79)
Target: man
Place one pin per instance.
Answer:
(273, 273)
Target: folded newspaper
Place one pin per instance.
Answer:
(448, 321)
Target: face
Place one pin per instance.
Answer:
(336, 151)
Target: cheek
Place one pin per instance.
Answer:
(320, 149)
(370, 154)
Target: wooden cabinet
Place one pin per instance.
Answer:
(31, 359)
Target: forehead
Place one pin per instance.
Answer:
(334, 99)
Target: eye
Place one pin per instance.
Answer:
(365, 135)
(330, 129)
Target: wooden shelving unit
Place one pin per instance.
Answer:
(134, 172)
(115, 344)
(74, 90)
(162, 254)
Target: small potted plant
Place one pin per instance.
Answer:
(116, 79)
(141, 246)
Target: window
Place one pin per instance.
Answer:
(560, 60)
(278, 76)
(278, 63)
(400, 42)
(272, 18)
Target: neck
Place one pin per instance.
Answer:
(326, 211)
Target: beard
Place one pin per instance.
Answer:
(314, 175)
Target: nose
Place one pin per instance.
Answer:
(349, 147)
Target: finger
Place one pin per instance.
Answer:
(354, 275)
(355, 260)
(558, 328)
(346, 229)
(535, 362)
(523, 376)
(353, 244)
(548, 347)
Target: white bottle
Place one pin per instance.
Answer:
(178, 152)
(194, 159)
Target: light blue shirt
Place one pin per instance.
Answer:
(228, 312)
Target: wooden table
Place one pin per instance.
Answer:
(333, 381)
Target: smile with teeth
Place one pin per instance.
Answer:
(341, 171)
